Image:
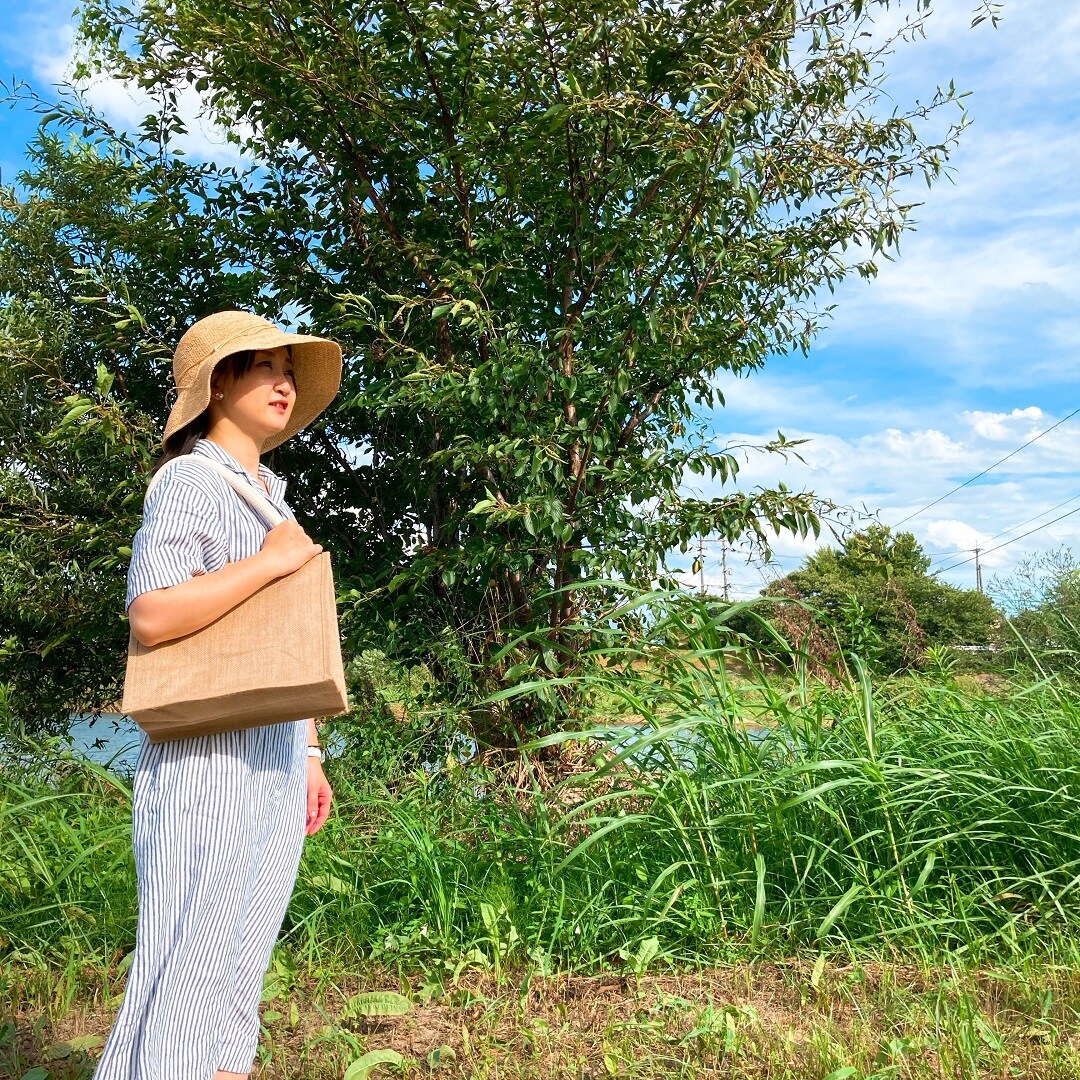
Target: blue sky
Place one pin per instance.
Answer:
(963, 348)
(969, 343)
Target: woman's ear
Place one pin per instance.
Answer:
(216, 389)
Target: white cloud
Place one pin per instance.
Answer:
(989, 283)
(917, 446)
(955, 278)
(894, 472)
(783, 395)
(992, 425)
(1036, 48)
(952, 541)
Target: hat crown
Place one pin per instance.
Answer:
(209, 336)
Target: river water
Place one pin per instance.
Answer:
(112, 739)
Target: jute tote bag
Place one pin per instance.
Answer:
(275, 657)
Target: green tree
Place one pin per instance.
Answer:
(540, 229)
(95, 278)
(877, 599)
(1042, 599)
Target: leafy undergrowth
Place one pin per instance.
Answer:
(807, 1020)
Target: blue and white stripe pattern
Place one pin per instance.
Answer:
(218, 824)
(194, 523)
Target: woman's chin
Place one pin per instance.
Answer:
(277, 423)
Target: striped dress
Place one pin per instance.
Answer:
(217, 825)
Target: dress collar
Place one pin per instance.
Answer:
(210, 449)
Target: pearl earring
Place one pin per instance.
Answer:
(218, 395)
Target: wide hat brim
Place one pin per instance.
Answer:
(316, 363)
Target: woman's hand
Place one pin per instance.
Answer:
(286, 548)
(319, 796)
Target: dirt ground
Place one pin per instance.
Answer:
(758, 1020)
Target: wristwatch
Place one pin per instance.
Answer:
(316, 751)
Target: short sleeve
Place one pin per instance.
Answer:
(181, 537)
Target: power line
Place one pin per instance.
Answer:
(986, 470)
(1020, 525)
(935, 555)
(1035, 517)
(1030, 532)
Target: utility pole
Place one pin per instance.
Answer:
(701, 563)
(723, 563)
(978, 570)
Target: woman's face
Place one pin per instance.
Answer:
(261, 400)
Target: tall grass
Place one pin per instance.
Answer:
(914, 815)
(733, 815)
(715, 816)
(67, 882)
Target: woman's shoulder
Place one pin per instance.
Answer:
(184, 481)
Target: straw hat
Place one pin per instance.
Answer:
(316, 361)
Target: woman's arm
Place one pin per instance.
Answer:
(165, 614)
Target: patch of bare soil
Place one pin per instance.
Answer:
(747, 1021)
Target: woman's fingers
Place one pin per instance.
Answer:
(319, 798)
(289, 547)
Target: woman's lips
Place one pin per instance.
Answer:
(282, 405)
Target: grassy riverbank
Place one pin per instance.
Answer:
(883, 885)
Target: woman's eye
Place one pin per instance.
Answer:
(290, 375)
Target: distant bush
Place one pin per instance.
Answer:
(873, 598)
(1042, 596)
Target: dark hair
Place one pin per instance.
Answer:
(183, 441)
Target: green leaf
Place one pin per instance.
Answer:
(362, 1067)
(759, 896)
(646, 953)
(86, 1042)
(57, 1051)
(378, 1003)
(331, 883)
(838, 909)
(441, 1055)
(73, 414)
(104, 380)
(271, 987)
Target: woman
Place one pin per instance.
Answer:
(218, 820)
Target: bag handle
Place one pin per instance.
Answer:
(255, 499)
